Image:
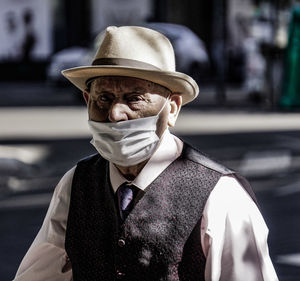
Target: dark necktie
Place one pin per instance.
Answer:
(126, 194)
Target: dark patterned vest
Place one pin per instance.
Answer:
(159, 240)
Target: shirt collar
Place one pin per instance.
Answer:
(169, 149)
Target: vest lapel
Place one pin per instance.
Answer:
(92, 227)
(166, 215)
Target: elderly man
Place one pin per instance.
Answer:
(147, 206)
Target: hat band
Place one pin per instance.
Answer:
(124, 63)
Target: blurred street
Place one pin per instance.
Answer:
(245, 57)
(44, 133)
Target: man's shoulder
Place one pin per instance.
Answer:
(93, 160)
(90, 166)
(193, 154)
(90, 158)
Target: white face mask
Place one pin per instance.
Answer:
(126, 143)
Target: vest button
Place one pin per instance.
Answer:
(120, 274)
(121, 242)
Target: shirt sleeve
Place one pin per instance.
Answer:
(234, 236)
(46, 256)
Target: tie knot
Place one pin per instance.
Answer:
(126, 193)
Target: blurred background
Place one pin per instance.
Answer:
(245, 56)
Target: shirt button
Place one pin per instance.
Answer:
(120, 274)
(121, 242)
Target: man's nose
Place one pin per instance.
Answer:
(118, 112)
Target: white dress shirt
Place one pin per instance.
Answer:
(233, 231)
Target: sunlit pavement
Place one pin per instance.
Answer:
(38, 144)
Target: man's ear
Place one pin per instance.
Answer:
(175, 106)
(86, 96)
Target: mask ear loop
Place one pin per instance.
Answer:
(163, 106)
(161, 112)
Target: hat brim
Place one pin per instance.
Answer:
(176, 82)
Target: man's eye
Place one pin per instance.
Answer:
(134, 98)
(103, 99)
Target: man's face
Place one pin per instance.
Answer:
(114, 99)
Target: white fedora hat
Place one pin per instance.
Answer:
(135, 52)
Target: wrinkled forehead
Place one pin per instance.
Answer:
(126, 83)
